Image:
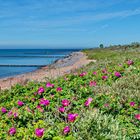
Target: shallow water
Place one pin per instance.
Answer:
(18, 61)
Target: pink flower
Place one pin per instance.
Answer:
(88, 101)
(83, 74)
(104, 77)
(72, 117)
(66, 130)
(137, 116)
(61, 109)
(10, 113)
(12, 131)
(120, 65)
(41, 90)
(15, 115)
(92, 83)
(33, 99)
(65, 102)
(20, 103)
(106, 105)
(40, 108)
(132, 103)
(59, 89)
(44, 102)
(39, 132)
(49, 85)
(130, 62)
(3, 110)
(35, 93)
(117, 74)
(104, 71)
(95, 73)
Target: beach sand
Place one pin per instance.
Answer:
(58, 68)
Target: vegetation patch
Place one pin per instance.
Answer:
(100, 101)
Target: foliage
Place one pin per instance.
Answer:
(101, 46)
(100, 101)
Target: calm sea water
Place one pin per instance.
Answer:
(19, 61)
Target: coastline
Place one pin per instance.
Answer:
(58, 68)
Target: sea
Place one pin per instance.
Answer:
(18, 61)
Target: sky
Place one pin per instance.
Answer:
(68, 23)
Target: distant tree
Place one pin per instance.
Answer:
(110, 46)
(101, 46)
(135, 44)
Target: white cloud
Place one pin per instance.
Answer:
(35, 15)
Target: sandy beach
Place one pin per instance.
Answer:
(59, 68)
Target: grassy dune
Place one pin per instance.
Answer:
(100, 101)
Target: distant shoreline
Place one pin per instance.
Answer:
(19, 61)
(58, 68)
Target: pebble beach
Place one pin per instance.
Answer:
(59, 68)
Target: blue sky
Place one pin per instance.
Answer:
(69, 23)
